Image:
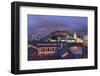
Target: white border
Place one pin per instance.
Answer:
(26, 65)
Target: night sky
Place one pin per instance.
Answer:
(42, 25)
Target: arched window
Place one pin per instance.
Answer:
(43, 49)
(48, 49)
(52, 49)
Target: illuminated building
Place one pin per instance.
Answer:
(48, 45)
(60, 36)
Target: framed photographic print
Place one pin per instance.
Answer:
(52, 37)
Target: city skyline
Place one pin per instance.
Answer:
(57, 37)
(42, 25)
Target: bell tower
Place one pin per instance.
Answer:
(75, 35)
